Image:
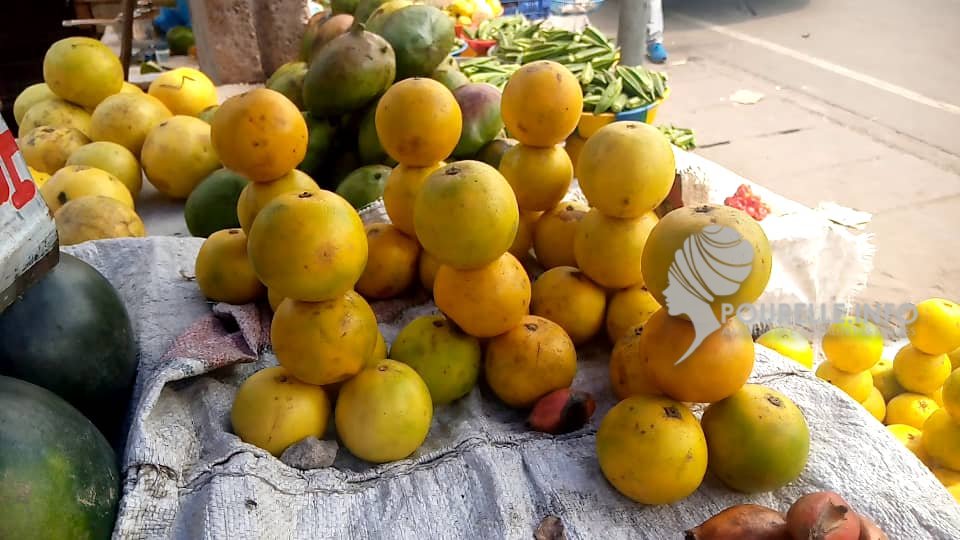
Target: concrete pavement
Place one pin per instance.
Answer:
(861, 107)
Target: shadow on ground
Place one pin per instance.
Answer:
(719, 12)
(733, 11)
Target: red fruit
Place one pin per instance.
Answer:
(742, 522)
(870, 531)
(822, 515)
(744, 199)
(562, 411)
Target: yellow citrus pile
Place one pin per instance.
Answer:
(917, 395)
(461, 229)
(87, 134)
(307, 249)
(90, 186)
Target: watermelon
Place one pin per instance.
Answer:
(58, 475)
(70, 333)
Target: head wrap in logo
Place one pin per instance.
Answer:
(712, 263)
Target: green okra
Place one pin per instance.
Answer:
(608, 96)
(619, 103)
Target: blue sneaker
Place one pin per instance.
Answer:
(656, 53)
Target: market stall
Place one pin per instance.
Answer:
(339, 302)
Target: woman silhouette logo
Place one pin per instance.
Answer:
(711, 263)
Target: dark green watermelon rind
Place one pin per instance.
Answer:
(58, 475)
(70, 333)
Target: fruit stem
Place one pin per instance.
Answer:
(358, 28)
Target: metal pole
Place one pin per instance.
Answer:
(632, 31)
(126, 37)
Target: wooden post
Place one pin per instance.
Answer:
(126, 37)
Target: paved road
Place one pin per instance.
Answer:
(861, 106)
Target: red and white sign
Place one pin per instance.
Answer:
(28, 235)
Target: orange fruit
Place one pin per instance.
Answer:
(308, 246)
(911, 438)
(717, 367)
(418, 122)
(554, 233)
(94, 218)
(273, 410)
(260, 134)
(223, 269)
(856, 385)
(256, 195)
(126, 119)
(652, 449)
(541, 104)
(941, 439)
(609, 250)
(540, 177)
(466, 215)
(184, 91)
(724, 234)
(853, 345)
(626, 169)
(566, 296)
(447, 359)
(950, 395)
(427, 269)
(573, 146)
(790, 343)
(383, 414)
(875, 405)
(529, 361)
(884, 379)
(273, 299)
(47, 149)
(936, 330)
(82, 70)
(523, 241)
(75, 181)
(629, 375)
(177, 155)
(757, 439)
(628, 308)
(910, 409)
(400, 193)
(113, 158)
(391, 262)
(486, 301)
(920, 372)
(324, 342)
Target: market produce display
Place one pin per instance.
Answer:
(474, 160)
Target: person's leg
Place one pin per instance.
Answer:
(654, 21)
(655, 50)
